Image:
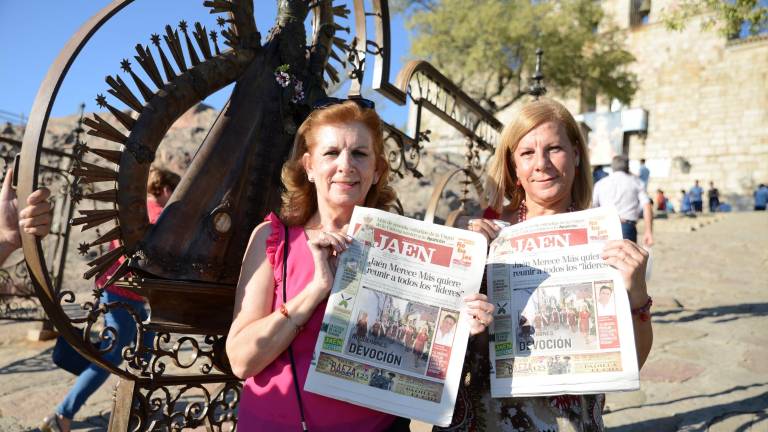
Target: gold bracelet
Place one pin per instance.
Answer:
(284, 311)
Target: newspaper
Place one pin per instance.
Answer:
(562, 322)
(393, 336)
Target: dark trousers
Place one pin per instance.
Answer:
(698, 206)
(713, 204)
(629, 230)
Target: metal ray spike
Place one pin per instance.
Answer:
(174, 44)
(112, 234)
(218, 6)
(147, 62)
(201, 37)
(332, 72)
(337, 58)
(94, 218)
(170, 74)
(86, 178)
(146, 93)
(231, 38)
(193, 58)
(215, 39)
(340, 44)
(341, 11)
(101, 128)
(121, 271)
(95, 169)
(339, 27)
(121, 91)
(102, 263)
(105, 196)
(124, 118)
(92, 177)
(110, 155)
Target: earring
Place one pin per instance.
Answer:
(577, 162)
(311, 179)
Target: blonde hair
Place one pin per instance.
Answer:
(502, 180)
(300, 196)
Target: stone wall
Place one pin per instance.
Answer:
(707, 100)
(707, 103)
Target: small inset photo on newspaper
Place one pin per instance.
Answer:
(556, 318)
(392, 331)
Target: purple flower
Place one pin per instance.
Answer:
(283, 79)
(297, 97)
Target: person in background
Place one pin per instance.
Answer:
(160, 186)
(644, 174)
(661, 200)
(541, 167)
(598, 173)
(34, 218)
(713, 197)
(626, 192)
(696, 194)
(685, 203)
(761, 197)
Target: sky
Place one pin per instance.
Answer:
(33, 32)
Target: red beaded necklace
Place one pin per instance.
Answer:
(522, 211)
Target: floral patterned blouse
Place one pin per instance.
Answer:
(476, 411)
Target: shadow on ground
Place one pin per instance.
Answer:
(37, 363)
(720, 313)
(754, 407)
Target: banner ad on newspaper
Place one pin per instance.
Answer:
(393, 336)
(562, 322)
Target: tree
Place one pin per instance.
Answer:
(488, 47)
(728, 17)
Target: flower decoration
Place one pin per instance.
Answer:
(284, 79)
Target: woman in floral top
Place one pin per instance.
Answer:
(541, 167)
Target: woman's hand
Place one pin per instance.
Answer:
(485, 227)
(631, 260)
(325, 248)
(480, 312)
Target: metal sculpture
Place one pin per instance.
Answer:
(187, 263)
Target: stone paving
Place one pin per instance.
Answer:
(708, 370)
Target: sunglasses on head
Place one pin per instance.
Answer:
(328, 101)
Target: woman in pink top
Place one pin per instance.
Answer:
(337, 162)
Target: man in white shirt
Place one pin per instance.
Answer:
(627, 193)
(605, 304)
(446, 331)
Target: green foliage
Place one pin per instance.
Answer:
(488, 46)
(723, 16)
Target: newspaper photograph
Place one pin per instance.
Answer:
(394, 335)
(562, 322)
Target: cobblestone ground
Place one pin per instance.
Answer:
(708, 370)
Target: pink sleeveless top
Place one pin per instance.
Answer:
(269, 401)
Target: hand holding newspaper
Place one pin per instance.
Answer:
(562, 322)
(393, 336)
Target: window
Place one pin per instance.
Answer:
(639, 12)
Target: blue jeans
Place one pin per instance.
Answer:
(94, 376)
(629, 231)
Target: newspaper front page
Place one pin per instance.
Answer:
(394, 336)
(562, 322)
